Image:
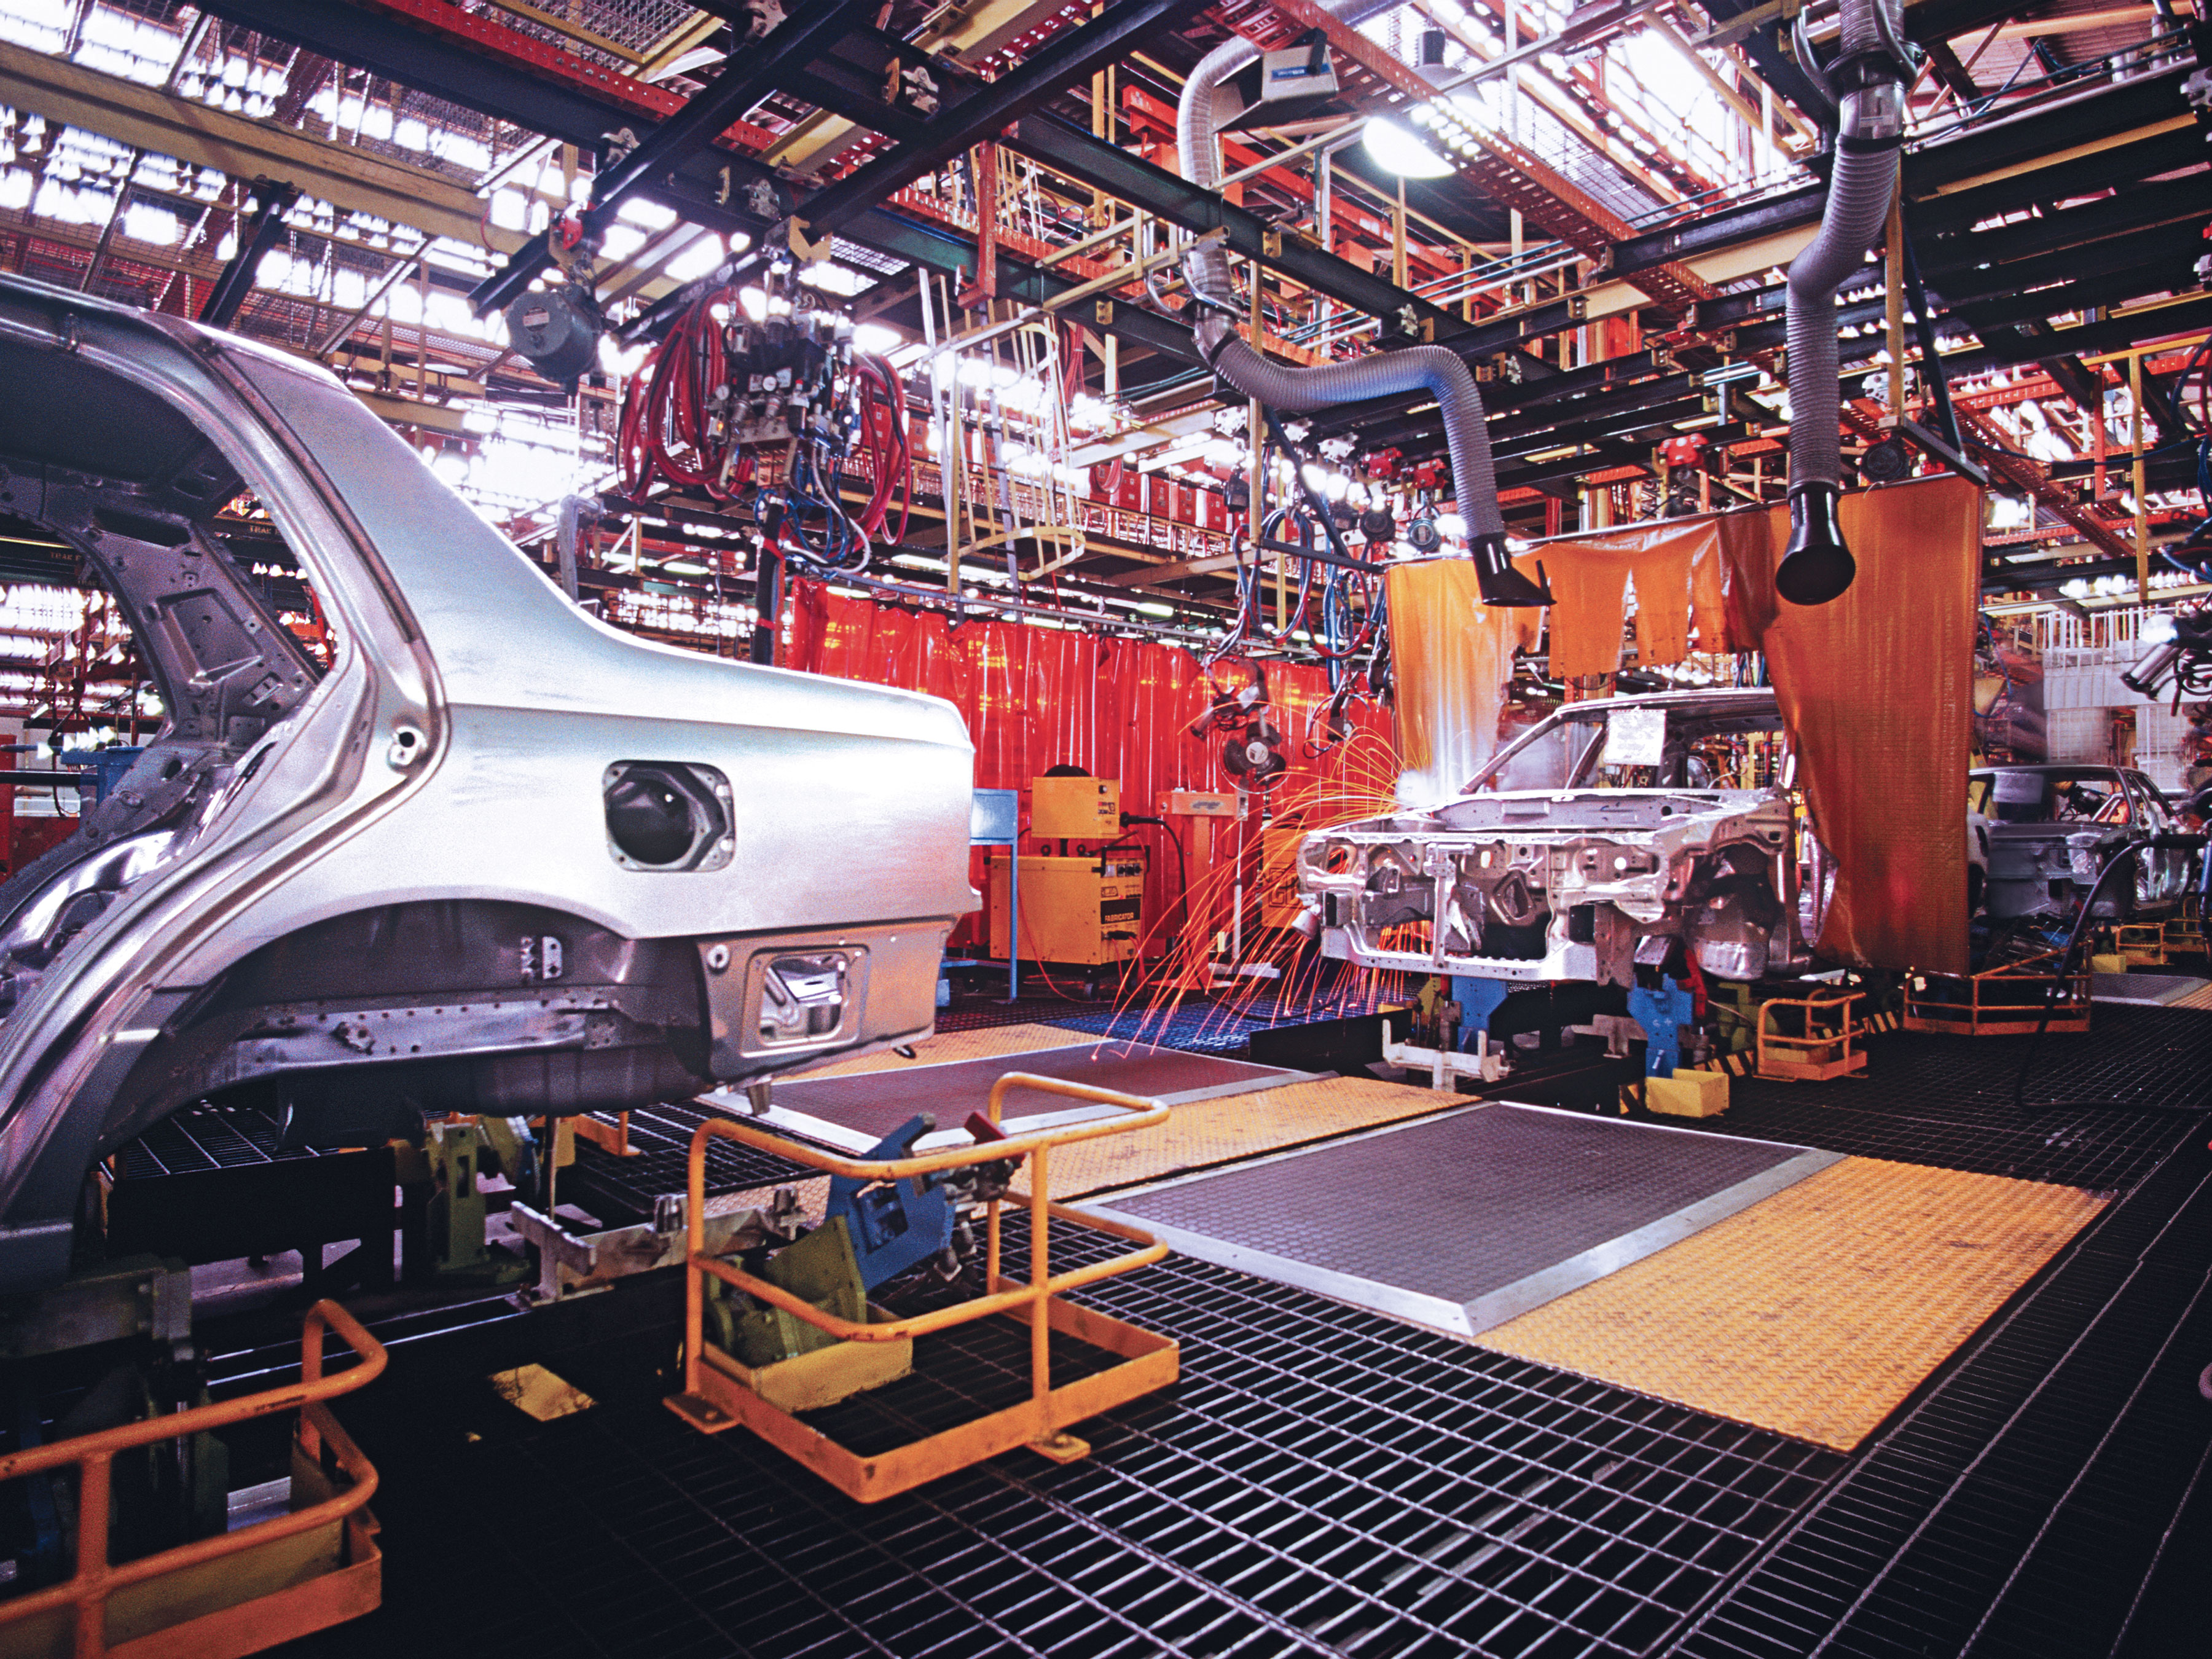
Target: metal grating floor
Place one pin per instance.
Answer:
(621, 1190)
(1926, 1098)
(1321, 1482)
(856, 1112)
(2153, 989)
(209, 1136)
(1327, 1481)
(2021, 1507)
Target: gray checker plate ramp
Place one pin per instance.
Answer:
(873, 1103)
(1465, 1221)
(2157, 988)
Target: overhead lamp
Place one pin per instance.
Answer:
(1395, 151)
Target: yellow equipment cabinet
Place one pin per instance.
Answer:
(1085, 911)
(1074, 809)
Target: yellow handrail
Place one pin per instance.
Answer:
(1141, 1113)
(93, 1453)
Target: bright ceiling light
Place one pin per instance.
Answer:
(1396, 150)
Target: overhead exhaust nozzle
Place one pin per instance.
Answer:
(1867, 81)
(1498, 582)
(1818, 567)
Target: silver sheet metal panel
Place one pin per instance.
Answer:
(1465, 1221)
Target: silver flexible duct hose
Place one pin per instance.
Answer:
(1206, 269)
(1867, 77)
(1443, 373)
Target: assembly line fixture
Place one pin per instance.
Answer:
(718, 1392)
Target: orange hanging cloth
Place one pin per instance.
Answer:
(1876, 689)
(1676, 566)
(1451, 656)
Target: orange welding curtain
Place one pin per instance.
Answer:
(1121, 708)
(1877, 691)
(1677, 568)
(1451, 658)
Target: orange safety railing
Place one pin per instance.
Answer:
(2007, 1001)
(1152, 1360)
(1816, 1054)
(96, 1580)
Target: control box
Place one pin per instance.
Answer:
(1083, 911)
(1075, 809)
(1199, 804)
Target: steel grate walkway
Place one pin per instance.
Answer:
(1926, 1098)
(208, 1136)
(1319, 1482)
(1326, 1481)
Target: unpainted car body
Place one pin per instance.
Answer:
(492, 856)
(2052, 828)
(1559, 863)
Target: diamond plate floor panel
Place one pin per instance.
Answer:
(1464, 1221)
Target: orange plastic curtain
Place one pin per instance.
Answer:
(1676, 567)
(1121, 708)
(1876, 689)
(1451, 657)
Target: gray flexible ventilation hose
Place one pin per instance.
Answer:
(1415, 368)
(1440, 373)
(1868, 78)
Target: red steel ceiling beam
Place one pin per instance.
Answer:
(2033, 479)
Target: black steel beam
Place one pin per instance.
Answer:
(1724, 227)
(1497, 396)
(842, 89)
(1054, 67)
(388, 45)
(2085, 175)
(236, 281)
(2113, 334)
(2167, 272)
(2131, 210)
(1968, 287)
(2061, 123)
(1585, 420)
(1067, 149)
(743, 81)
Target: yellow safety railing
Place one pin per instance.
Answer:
(1152, 1360)
(2003, 1001)
(1816, 1055)
(95, 1580)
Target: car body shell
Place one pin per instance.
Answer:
(417, 833)
(1611, 876)
(2044, 865)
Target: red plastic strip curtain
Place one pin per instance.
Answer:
(1035, 697)
(1876, 689)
